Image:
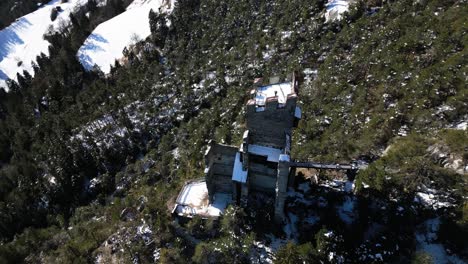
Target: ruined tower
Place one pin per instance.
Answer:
(272, 113)
(260, 164)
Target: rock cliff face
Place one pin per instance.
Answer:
(442, 154)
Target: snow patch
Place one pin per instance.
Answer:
(338, 185)
(265, 250)
(22, 41)
(291, 227)
(272, 154)
(346, 210)
(281, 90)
(462, 125)
(145, 232)
(426, 239)
(108, 40)
(238, 173)
(335, 9)
(194, 200)
(349, 186)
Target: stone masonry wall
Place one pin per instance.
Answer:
(281, 186)
(268, 127)
(219, 162)
(262, 177)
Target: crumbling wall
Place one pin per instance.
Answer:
(219, 161)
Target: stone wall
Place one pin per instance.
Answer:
(262, 176)
(219, 163)
(281, 186)
(268, 126)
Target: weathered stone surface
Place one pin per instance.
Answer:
(442, 154)
(219, 162)
(281, 187)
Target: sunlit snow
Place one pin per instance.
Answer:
(194, 200)
(22, 41)
(107, 42)
(335, 9)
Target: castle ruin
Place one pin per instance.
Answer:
(262, 162)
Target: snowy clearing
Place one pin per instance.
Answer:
(107, 41)
(22, 41)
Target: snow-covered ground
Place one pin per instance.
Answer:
(427, 242)
(290, 229)
(335, 9)
(194, 200)
(22, 41)
(432, 198)
(108, 40)
(346, 210)
(338, 185)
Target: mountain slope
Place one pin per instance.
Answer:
(22, 41)
(107, 42)
(12, 9)
(95, 161)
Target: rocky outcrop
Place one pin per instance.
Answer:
(442, 154)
